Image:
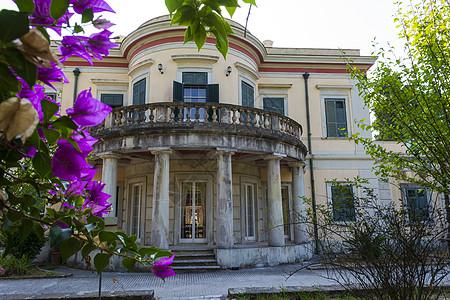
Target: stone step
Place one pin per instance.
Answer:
(191, 256)
(195, 268)
(194, 262)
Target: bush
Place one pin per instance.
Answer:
(30, 247)
(15, 266)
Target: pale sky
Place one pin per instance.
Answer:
(289, 23)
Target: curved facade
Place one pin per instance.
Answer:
(200, 151)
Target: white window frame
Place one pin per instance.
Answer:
(330, 200)
(246, 219)
(403, 188)
(335, 94)
(133, 181)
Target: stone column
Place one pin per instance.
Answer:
(224, 200)
(160, 211)
(275, 208)
(300, 232)
(109, 178)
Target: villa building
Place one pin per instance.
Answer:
(206, 152)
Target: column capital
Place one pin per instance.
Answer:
(300, 164)
(110, 155)
(274, 156)
(161, 150)
(225, 151)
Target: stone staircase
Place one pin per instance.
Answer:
(194, 260)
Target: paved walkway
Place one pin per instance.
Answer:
(210, 285)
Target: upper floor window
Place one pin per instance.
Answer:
(139, 89)
(416, 199)
(274, 104)
(342, 203)
(336, 117)
(248, 98)
(113, 100)
(195, 88)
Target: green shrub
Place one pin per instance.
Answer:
(30, 247)
(15, 266)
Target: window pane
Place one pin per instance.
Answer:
(336, 118)
(274, 104)
(343, 203)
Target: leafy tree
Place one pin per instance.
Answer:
(410, 98)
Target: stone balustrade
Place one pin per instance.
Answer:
(195, 112)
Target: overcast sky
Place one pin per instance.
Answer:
(289, 23)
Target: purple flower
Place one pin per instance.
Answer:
(42, 16)
(97, 200)
(54, 74)
(73, 45)
(102, 23)
(75, 189)
(85, 141)
(96, 5)
(88, 174)
(88, 111)
(67, 162)
(34, 95)
(162, 268)
(99, 44)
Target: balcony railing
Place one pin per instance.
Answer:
(194, 112)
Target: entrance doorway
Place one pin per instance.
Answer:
(193, 212)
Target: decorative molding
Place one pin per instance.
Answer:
(142, 64)
(241, 67)
(199, 58)
(109, 81)
(274, 85)
(333, 87)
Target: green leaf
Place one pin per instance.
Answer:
(101, 261)
(129, 263)
(25, 5)
(21, 66)
(78, 28)
(13, 25)
(88, 248)
(90, 227)
(42, 164)
(163, 253)
(51, 135)
(149, 251)
(6, 221)
(58, 8)
(95, 219)
(65, 122)
(173, 5)
(57, 235)
(8, 82)
(70, 247)
(39, 231)
(253, 2)
(107, 236)
(49, 108)
(200, 36)
(231, 10)
(87, 15)
(184, 16)
(25, 228)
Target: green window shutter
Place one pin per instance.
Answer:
(274, 104)
(336, 117)
(113, 100)
(247, 95)
(343, 203)
(139, 92)
(178, 89)
(195, 78)
(212, 93)
(417, 202)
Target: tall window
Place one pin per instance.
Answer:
(248, 98)
(139, 92)
(274, 104)
(250, 209)
(286, 210)
(113, 100)
(343, 203)
(135, 208)
(416, 199)
(336, 117)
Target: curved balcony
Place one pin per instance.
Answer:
(192, 125)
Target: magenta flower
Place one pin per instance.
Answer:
(42, 16)
(88, 174)
(47, 75)
(75, 189)
(102, 23)
(96, 5)
(85, 141)
(35, 96)
(73, 45)
(162, 268)
(97, 200)
(88, 111)
(67, 162)
(99, 44)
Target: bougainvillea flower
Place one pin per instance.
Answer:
(67, 162)
(53, 74)
(75, 189)
(35, 96)
(88, 111)
(42, 16)
(102, 23)
(96, 5)
(162, 268)
(88, 174)
(85, 141)
(74, 45)
(99, 44)
(97, 200)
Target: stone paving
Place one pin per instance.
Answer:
(209, 285)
